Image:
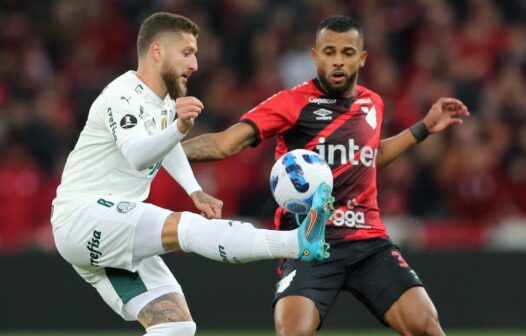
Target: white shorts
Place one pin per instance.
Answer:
(99, 242)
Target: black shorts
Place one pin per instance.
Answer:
(373, 270)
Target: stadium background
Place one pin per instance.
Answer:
(456, 204)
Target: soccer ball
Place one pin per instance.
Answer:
(295, 177)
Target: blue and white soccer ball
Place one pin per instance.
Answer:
(295, 177)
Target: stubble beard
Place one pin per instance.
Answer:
(336, 91)
(171, 79)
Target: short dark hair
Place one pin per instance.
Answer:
(159, 23)
(340, 24)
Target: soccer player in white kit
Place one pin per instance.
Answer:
(101, 224)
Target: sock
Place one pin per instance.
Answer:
(234, 241)
(186, 328)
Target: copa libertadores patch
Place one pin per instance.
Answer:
(128, 121)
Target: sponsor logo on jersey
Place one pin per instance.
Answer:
(323, 114)
(350, 216)
(128, 121)
(370, 116)
(93, 248)
(125, 207)
(342, 154)
(363, 101)
(284, 283)
(112, 123)
(316, 100)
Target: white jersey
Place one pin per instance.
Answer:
(125, 109)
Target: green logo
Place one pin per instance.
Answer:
(112, 124)
(222, 253)
(93, 248)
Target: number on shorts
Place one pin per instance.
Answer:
(401, 260)
(105, 203)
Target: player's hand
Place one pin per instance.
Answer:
(187, 109)
(445, 112)
(209, 206)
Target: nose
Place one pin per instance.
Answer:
(193, 64)
(337, 61)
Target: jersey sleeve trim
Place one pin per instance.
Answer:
(256, 130)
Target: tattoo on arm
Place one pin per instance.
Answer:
(202, 148)
(170, 307)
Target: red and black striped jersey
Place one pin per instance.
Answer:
(346, 132)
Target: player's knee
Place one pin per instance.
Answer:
(293, 329)
(186, 328)
(427, 325)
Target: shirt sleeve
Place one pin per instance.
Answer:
(143, 151)
(123, 118)
(274, 116)
(177, 165)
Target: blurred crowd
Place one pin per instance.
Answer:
(57, 55)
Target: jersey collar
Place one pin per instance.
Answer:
(144, 91)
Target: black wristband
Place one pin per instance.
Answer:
(419, 131)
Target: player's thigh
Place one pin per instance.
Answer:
(381, 279)
(414, 313)
(305, 293)
(103, 233)
(128, 293)
(296, 315)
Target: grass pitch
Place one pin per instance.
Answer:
(268, 333)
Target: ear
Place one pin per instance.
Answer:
(363, 58)
(156, 51)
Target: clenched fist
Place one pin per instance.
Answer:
(187, 109)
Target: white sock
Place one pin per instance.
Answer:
(186, 328)
(234, 241)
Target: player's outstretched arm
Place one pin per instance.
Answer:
(221, 145)
(443, 113)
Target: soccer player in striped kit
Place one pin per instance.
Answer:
(342, 121)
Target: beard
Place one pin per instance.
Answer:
(337, 91)
(171, 79)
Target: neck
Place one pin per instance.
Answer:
(152, 80)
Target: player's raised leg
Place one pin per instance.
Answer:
(414, 314)
(238, 242)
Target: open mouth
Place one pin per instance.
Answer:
(337, 76)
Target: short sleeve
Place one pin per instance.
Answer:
(123, 119)
(274, 116)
